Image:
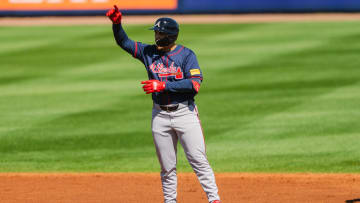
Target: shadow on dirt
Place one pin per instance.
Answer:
(352, 201)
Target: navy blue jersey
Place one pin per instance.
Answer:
(178, 68)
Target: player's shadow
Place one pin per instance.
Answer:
(352, 201)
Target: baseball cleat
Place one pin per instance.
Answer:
(216, 201)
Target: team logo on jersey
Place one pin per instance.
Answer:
(164, 72)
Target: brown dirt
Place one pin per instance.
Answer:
(195, 19)
(146, 187)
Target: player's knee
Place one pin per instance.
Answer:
(166, 173)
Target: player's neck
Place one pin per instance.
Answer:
(169, 48)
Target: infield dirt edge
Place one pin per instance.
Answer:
(146, 187)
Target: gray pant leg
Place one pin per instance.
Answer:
(191, 138)
(165, 140)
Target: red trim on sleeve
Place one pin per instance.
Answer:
(136, 48)
(197, 77)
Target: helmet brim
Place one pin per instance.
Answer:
(155, 28)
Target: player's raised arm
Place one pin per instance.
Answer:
(121, 37)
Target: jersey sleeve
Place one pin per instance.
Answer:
(192, 68)
(193, 71)
(136, 49)
(193, 77)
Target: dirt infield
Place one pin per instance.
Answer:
(196, 19)
(146, 187)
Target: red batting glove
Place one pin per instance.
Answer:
(153, 86)
(114, 15)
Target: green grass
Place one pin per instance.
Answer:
(276, 97)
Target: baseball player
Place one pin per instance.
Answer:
(174, 80)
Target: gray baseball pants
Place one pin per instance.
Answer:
(184, 125)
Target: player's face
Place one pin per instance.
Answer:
(163, 41)
(159, 35)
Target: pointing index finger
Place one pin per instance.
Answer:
(116, 8)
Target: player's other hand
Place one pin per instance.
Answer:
(114, 15)
(153, 86)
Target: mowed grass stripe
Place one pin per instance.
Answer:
(63, 101)
(260, 102)
(271, 85)
(53, 87)
(313, 129)
(324, 77)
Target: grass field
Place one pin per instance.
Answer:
(276, 97)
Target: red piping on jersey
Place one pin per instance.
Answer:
(167, 66)
(197, 77)
(136, 48)
(167, 94)
(182, 47)
(162, 96)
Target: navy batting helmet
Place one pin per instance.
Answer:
(166, 25)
